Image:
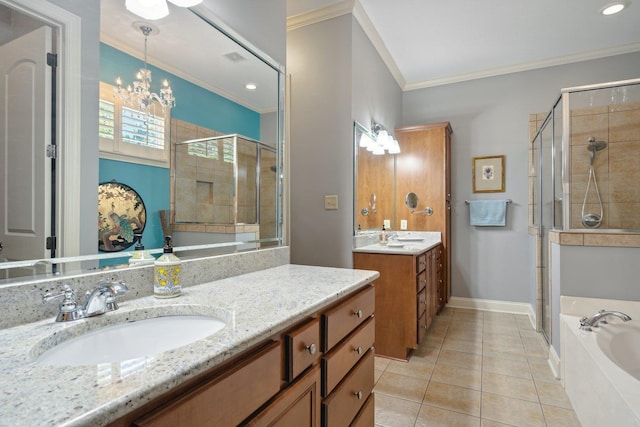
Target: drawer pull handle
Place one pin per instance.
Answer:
(311, 348)
(358, 394)
(358, 313)
(358, 350)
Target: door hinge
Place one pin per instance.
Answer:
(52, 151)
(51, 242)
(52, 60)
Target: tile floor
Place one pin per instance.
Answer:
(475, 368)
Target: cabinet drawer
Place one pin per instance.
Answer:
(227, 399)
(366, 416)
(302, 348)
(421, 262)
(339, 321)
(421, 281)
(339, 362)
(341, 407)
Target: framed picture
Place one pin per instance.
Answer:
(488, 174)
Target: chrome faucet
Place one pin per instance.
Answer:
(586, 323)
(98, 301)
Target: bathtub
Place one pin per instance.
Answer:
(601, 370)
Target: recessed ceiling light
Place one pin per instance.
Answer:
(250, 86)
(613, 8)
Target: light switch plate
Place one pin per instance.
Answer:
(403, 224)
(387, 223)
(331, 202)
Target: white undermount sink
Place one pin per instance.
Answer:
(131, 340)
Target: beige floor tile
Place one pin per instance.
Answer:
(498, 316)
(453, 398)
(560, 417)
(553, 394)
(500, 328)
(541, 371)
(464, 335)
(507, 410)
(463, 325)
(415, 367)
(455, 375)
(503, 340)
(473, 347)
(381, 362)
(461, 359)
(394, 412)
(427, 352)
(504, 351)
(489, 423)
(499, 365)
(377, 373)
(504, 385)
(430, 416)
(401, 386)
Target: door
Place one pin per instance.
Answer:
(25, 131)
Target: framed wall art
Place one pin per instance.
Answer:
(488, 174)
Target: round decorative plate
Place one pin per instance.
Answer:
(121, 212)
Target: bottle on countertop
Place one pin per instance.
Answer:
(166, 273)
(384, 236)
(140, 256)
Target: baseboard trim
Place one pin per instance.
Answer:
(491, 305)
(554, 362)
(532, 317)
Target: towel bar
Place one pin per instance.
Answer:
(466, 202)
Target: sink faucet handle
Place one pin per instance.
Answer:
(117, 288)
(69, 309)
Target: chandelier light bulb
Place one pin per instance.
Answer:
(186, 3)
(148, 9)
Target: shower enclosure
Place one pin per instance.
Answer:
(584, 166)
(225, 190)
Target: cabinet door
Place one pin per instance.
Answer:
(225, 400)
(297, 406)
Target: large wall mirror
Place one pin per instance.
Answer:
(209, 168)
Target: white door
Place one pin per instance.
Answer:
(25, 130)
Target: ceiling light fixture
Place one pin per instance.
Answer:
(379, 140)
(613, 8)
(140, 94)
(250, 86)
(155, 9)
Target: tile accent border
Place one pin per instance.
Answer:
(570, 238)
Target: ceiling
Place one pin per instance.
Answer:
(427, 43)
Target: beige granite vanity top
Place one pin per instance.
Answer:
(254, 305)
(409, 243)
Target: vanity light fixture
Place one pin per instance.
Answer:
(140, 94)
(155, 9)
(613, 8)
(384, 141)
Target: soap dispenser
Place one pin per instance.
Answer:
(384, 236)
(140, 256)
(166, 273)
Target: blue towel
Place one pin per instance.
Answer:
(488, 213)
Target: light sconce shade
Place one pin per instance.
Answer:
(365, 140)
(395, 147)
(378, 150)
(148, 9)
(383, 142)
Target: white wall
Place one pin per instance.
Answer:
(336, 77)
(490, 117)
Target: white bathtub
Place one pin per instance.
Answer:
(601, 370)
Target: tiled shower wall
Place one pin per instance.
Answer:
(617, 167)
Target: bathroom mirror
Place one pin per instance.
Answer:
(219, 69)
(411, 201)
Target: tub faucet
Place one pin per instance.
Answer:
(586, 323)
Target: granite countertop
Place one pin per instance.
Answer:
(254, 305)
(408, 243)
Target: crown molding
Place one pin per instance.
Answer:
(370, 30)
(527, 66)
(321, 14)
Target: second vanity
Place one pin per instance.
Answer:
(297, 345)
(410, 290)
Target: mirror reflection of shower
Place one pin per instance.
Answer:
(593, 219)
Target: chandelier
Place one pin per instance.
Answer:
(140, 94)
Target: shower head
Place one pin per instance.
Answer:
(596, 145)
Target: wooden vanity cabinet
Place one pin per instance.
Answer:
(318, 372)
(406, 298)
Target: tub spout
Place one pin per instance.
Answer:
(586, 323)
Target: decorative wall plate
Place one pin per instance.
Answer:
(121, 212)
